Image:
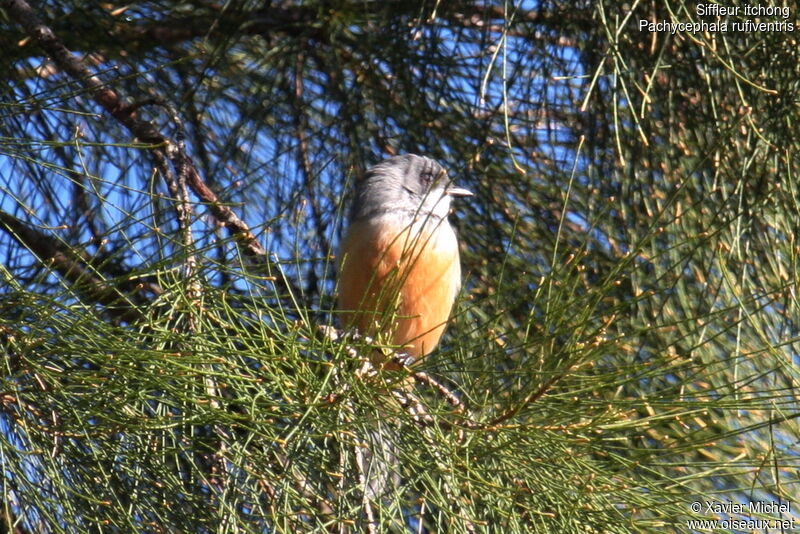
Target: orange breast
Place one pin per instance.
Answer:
(399, 281)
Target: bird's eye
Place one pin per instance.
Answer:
(426, 178)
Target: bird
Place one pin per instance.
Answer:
(400, 270)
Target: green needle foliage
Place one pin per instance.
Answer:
(174, 180)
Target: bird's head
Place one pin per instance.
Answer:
(408, 183)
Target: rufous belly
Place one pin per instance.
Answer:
(399, 279)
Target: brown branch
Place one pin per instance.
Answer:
(216, 22)
(422, 377)
(363, 482)
(129, 38)
(73, 267)
(287, 20)
(126, 115)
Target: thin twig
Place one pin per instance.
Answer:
(364, 483)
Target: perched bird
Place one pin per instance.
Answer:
(400, 270)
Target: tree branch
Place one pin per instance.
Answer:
(75, 268)
(126, 114)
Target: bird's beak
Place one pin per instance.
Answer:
(458, 192)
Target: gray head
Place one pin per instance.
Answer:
(409, 183)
